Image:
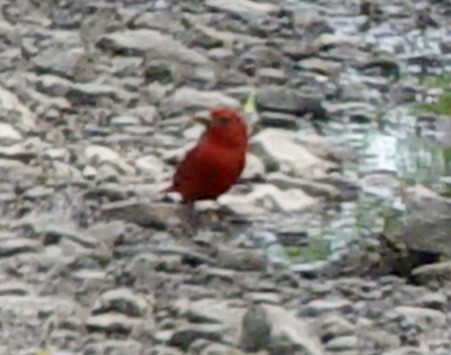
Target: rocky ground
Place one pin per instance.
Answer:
(95, 102)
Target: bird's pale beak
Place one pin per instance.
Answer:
(202, 120)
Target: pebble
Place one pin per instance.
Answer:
(9, 135)
(318, 307)
(121, 301)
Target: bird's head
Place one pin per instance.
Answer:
(226, 127)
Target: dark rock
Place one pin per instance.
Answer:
(241, 259)
(290, 101)
(256, 330)
(184, 336)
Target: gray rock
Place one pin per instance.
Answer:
(278, 120)
(116, 347)
(271, 76)
(112, 323)
(72, 63)
(264, 297)
(9, 135)
(189, 98)
(156, 215)
(13, 288)
(343, 343)
(241, 259)
(435, 273)
(150, 165)
(142, 40)
(422, 317)
(220, 349)
(38, 192)
(15, 246)
(330, 40)
(321, 66)
(122, 301)
(54, 233)
(11, 102)
(433, 300)
(109, 232)
(163, 350)
(318, 307)
(31, 306)
(256, 330)
(87, 92)
(407, 350)
(212, 274)
(268, 325)
(97, 154)
(348, 188)
(427, 225)
(53, 85)
(184, 336)
(21, 152)
(334, 325)
(207, 37)
(282, 99)
(225, 312)
(160, 21)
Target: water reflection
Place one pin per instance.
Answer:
(391, 157)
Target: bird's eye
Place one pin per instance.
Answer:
(224, 121)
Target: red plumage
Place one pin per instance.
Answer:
(211, 168)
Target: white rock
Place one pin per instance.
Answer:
(186, 97)
(242, 6)
(279, 148)
(150, 165)
(243, 205)
(57, 154)
(99, 154)
(65, 171)
(282, 200)
(9, 135)
(9, 101)
(254, 167)
(89, 172)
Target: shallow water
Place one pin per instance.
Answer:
(392, 155)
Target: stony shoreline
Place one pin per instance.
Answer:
(95, 98)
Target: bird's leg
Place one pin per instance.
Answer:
(189, 218)
(216, 216)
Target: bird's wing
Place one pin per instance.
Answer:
(187, 170)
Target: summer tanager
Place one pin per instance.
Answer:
(216, 162)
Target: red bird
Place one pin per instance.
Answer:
(210, 168)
